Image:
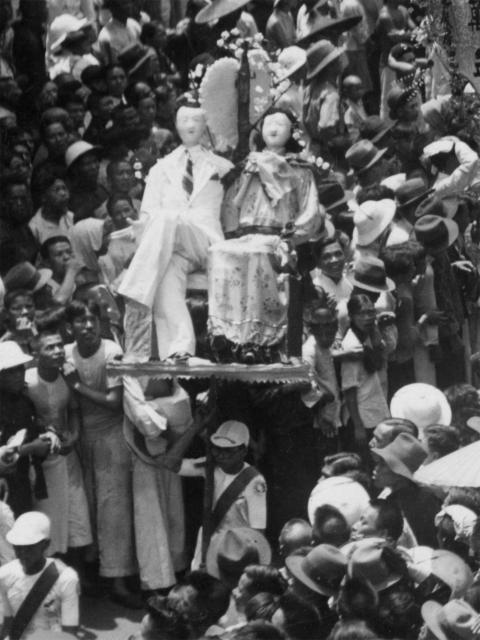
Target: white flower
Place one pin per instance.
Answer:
(258, 37)
(235, 32)
(220, 42)
(224, 35)
(198, 71)
(258, 89)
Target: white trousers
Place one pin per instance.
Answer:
(159, 524)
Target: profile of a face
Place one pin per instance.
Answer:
(276, 131)
(191, 125)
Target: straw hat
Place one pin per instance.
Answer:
(63, 26)
(372, 218)
(443, 564)
(369, 274)
(217, 9)
(12, 356)
(329, 29)
(421, 403)
(403, 456)
(456, 620)
(321, 570)
(341, 492)
(291, 60)
(411, 192)
(320, 55)
(457, 469)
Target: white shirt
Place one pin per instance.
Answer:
(43, 229)
(59, 608)
(115, 37)
(340, 290)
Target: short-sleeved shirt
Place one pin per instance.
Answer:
(372, 405)
(93, 373)
(43, 229)
(59, 608)
(115, 37)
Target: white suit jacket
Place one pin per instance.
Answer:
(166, 206)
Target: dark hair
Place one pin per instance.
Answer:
(261, 606)
(399, 260)
(166, 621)
(339, 238)
(11, 296)
(111, 67)
(441, 439)
(292, 145)
(299, 541)
(78, 309)
(8, 181)
(375, 192)
(113, 199)
(258, 630)
(320, 301)
(357, 599)
(113, 164)
(352, 630)
(301, 619)
(265, 578)
(67, 96)
(399, 614)
(49, 242)
(55, 119)
(149, 30)
(466, 496)
(338, 463)
(389, 517)
(94, 99)
(45, 176)
(211, 600)
(401, 425)
(335, 535)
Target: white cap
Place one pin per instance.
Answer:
(372, 218)
(76, 150)
(29, 528)
(11, 355)
(231, 434)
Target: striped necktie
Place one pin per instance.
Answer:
(187, 180)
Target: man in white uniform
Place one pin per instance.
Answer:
(181, 205)
(30, 572)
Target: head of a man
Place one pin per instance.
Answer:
(30, 538)
(380, 519)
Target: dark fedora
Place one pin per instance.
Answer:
(435, 233)
(374, 128)
(321, 570)
(368, 563)
(132, 58)
(329, 30)
(234, 549)
(320, 55)
(431, 206)
(331, 194)
(362, 155)
(369, 274)
(25, 276)
(411, 192)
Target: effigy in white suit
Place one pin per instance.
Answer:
(180, 228)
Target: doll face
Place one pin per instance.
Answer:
(191, 125)
(276, 131)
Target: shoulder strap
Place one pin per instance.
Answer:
(230, 494)
(33, 600)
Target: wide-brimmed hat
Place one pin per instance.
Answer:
(78, 149)
(411, 192)
(444, 565)
(62, 27)
(231, 550)
(341, 492)
(11, 355)
(321, 570)
(403, 456)
(329, 29)
(362, 155)
(291, 59)
(320, 55)
(217, 9)
(133, 57)
(374, 128)
(435, 233)
(455, 620)
(372, 218)
(29, 528)
(367, 562)
(369, 274)
(231, 433)
(457, 469)
(431, 206)
(25, 276)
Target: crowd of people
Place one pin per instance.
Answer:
(346, 237)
